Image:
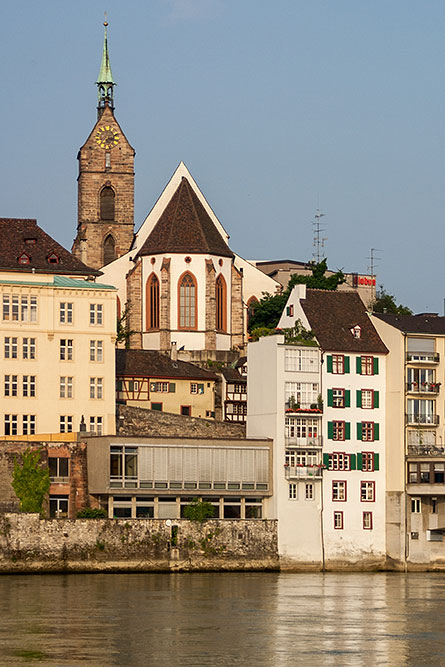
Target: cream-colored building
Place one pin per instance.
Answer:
(57, 337)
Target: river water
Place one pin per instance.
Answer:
(221, 619)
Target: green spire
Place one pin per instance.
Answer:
(105, 82)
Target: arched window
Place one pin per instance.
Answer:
(107, 203)
(152, 301)
(187, 301)
(221, 305)
(251, 305)
(109, 249)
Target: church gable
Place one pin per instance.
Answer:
(185, 227)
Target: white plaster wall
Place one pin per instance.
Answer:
(255, 282)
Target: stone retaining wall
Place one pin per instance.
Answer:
(31, 544)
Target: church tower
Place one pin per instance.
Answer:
(105, 215)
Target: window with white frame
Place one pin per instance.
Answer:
(66, 386)
(29, 386)
(293, 492)
(65, 312)
(367, 492)
(161, 387)
(29, 348)
(11, 347)
(19, 309)
(338, 398)
(416, 506)
(301, 427)
(296, 359)
(338, 520)
(96, 424)
(11, 385)
(66, 423)
(304, 393)
(96, 313)
(367, 398)
(367, 365)
(29, 424)
(367, 520)
(309, 491)
(66, 349)
(96, 387)
(339, 490)
(338, 364)
(96, 350)
(339, 461)
(10, 425)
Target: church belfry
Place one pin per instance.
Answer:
(105, 215)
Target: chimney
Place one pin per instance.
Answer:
(174, 352)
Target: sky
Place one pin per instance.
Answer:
(276, 107)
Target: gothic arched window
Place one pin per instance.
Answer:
(187, 301)
(109, 249)
(251, 305)
(221, 303)
(152, 302)
(107, 203)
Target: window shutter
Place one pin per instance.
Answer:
(359, 430)
(376, 461)
(352, 462)
(172, 387)
(376, 431)
(346, 366)
(347, 398)
(200, 388)
(329, 363)
(330, 430)
(358, 365)
(359, 398)
(330, 398)
(287, 310)
(347, 431)
(326, 460)
(376, 365)
(359, 461)
(376, 399)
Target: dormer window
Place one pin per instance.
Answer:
(24, 258)
(356, 331)
(53, 258)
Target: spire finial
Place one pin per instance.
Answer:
(105, 82)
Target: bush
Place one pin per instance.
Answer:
(197, 511)
(30, 481)
(90, 513)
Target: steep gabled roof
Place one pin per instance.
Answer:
(185, 227)
(23, 238)
(332, 315)
(415, 324)
(151, 363)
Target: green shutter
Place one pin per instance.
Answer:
(359, 398)
(376, 431)
(359, 461)
(359, 430)
(329, 363)
(330, 430)
(347, 398)
(376, 461)
(347, 365)
(376, 365)
(347, 431)
(358, 365)
(330, 398)
(376, 399)
(326, 460)
(172, 387)
(353, 461)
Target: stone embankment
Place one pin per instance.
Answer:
(31, 544)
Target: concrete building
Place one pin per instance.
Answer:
(415, 429)
(57, 336)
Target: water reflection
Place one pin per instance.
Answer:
(223, 619)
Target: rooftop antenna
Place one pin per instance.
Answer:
(319, 240)
(373, 259)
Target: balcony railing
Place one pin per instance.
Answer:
(306, 442)
(423, 387)
(303, 472)
(423, 357)
(311, 408)
(426, 450)
(422, 420)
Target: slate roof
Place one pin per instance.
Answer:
(233, 375)
(185, 227)
(333, 314)
(416, 324)
(151, 363)
(19, 236)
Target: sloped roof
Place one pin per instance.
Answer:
(233, 375)
(416, 324)
(185, 227)
(151, 363)
(19, 237)
(333, 314)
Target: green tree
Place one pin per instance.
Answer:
(124, 332)
(198, 511)
(386, 303)
(30, 481)
(268, 311)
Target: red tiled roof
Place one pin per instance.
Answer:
(185, 227)
(151, 363)
(24, 238)
(333, 314)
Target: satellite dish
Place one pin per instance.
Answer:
(168, 522)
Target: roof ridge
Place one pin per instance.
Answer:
(190, 191)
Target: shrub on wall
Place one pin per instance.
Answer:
(90, 513)
(198, 511)
(30, 481)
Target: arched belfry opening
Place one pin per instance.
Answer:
(109, 249)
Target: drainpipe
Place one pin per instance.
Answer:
(323, 560)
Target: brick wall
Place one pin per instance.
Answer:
(134, 305)
(165, 303)
(210, 306)
(237, 309)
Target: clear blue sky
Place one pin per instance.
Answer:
(276, 107)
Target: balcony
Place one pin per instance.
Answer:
(303, 472)
(422, 420)
(305, 442)
(422, 387)
(426, 450)
(314, 409)
(423, 357)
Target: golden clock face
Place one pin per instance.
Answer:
(106, 137)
